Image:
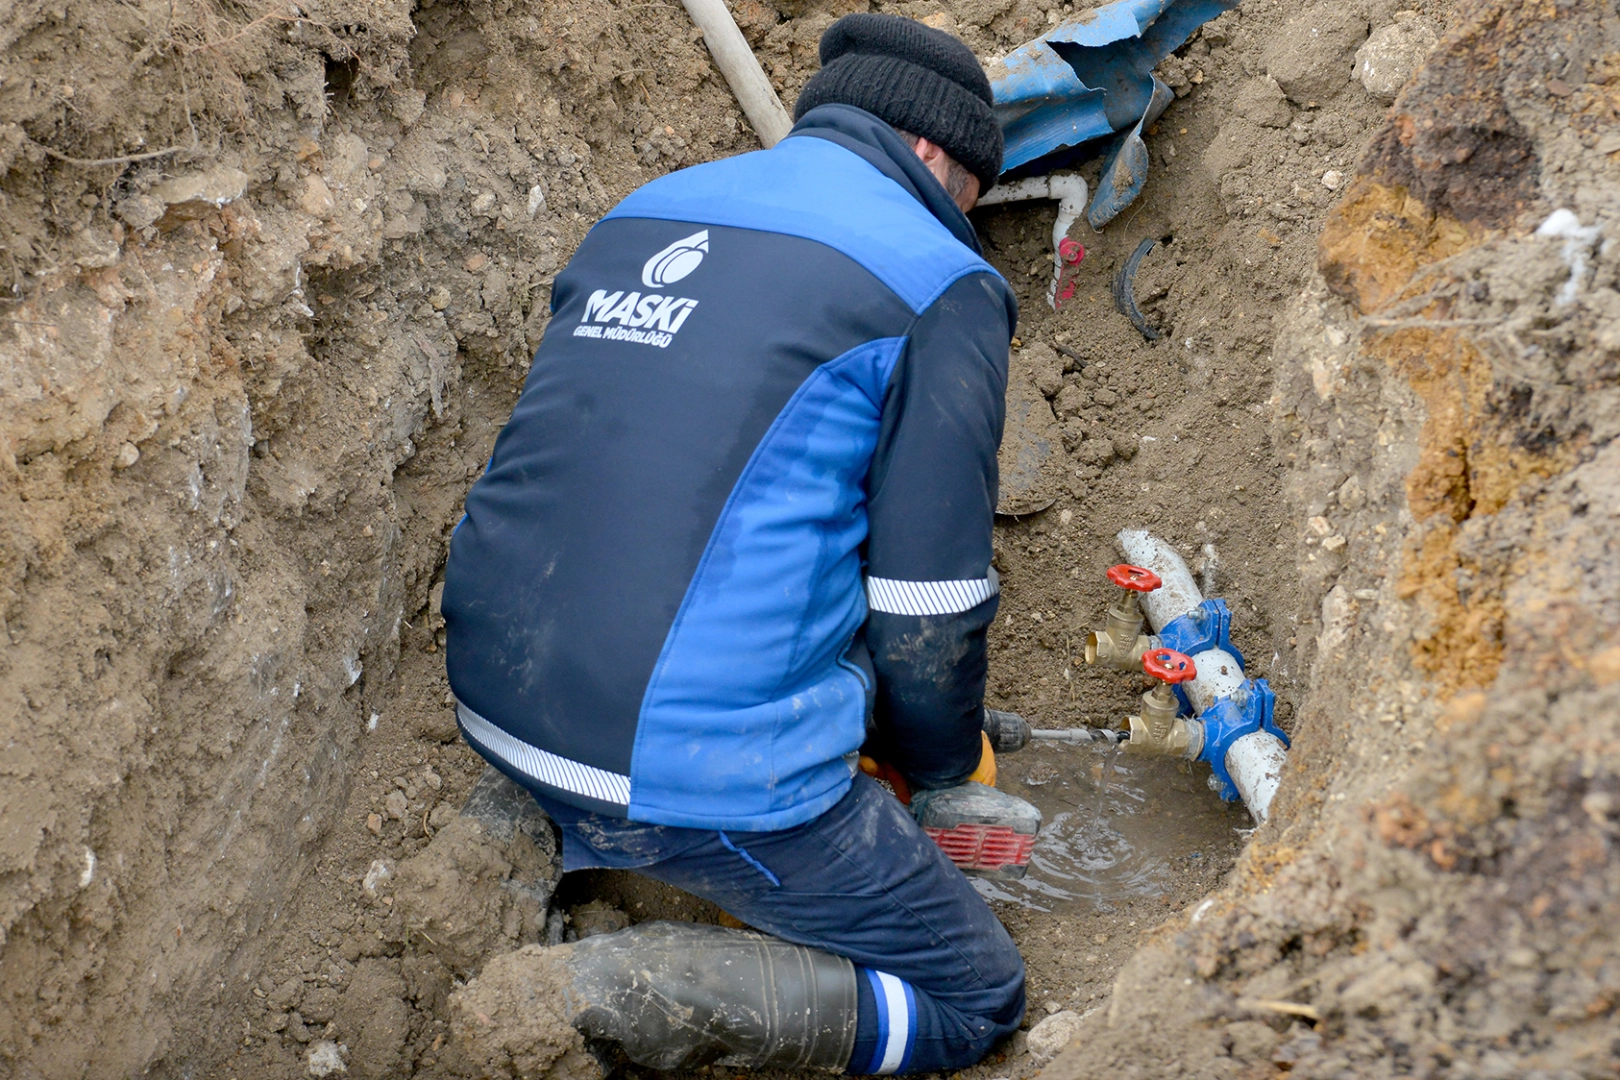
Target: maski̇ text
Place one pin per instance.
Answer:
(644, 320)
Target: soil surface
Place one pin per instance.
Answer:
(274, 273)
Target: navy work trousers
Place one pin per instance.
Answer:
(940, 981)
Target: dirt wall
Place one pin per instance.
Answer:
(1436, 893)
(271, 273)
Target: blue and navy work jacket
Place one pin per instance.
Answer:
(745, 500)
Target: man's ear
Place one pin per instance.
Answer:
(929, 152)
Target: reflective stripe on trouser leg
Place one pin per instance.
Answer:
(896, 1022)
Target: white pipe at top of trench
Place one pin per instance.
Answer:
(738, 64)
(1071, 193)
(1255, 761)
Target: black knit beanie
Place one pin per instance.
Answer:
(914, 78)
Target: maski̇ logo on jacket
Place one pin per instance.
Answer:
(650, 318)
(676, 261)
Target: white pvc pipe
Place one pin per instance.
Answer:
(738, 64)
(1219, 675)
(1179, 594)
(1255, 761)
(1071, 193)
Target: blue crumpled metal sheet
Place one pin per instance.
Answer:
(1092, 79)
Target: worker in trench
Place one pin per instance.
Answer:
(737, 529)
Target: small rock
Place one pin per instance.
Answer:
(317, 199)
(1311, 55)
(439, 298)
(1351, 494)
(1333, 543)
(139, 211)
(1319, 526)
(127, 455)
(1391, 54)
(319, 1005)
(202, 191)
(376, 876)
(1249, 1040)
(476, 262)
(1100, 939)
(374, 823)
(325, 1058)
(537, 200)
(407, 105)
(1332, 179)
(442, 815)
(1053, 1034)
(1042, 773)
(285, 996)
(1521, 957)
(396, 804)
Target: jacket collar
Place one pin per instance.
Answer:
(859, 132)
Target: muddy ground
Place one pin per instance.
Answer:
(273, 273)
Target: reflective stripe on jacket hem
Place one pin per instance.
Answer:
(543, 766)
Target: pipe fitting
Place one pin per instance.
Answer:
(1231, 719)
(1160, 729)
(1121, 643)
(1234, 728)
(1183, 738)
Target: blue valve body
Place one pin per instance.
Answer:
(1229, 719)
(1208, 626)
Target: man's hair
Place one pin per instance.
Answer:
(957, 175)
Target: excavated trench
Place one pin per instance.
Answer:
(275, 272)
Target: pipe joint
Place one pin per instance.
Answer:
(1207, 626)
(1231, 718)
(1119, 644)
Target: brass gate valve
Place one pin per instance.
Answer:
(1121, 643)
(1160, 730)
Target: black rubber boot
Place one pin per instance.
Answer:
(679, 995)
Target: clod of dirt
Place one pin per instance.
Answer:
(374, 1020)
(1052, 1035)
(1392, 53)
(513, 1020)
(1263, 102)
(470, 896)
(596, 917)
(1311, 57)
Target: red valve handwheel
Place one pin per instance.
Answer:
(1134, 578)
(1169, 666)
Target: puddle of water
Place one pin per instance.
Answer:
(1100, 843)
